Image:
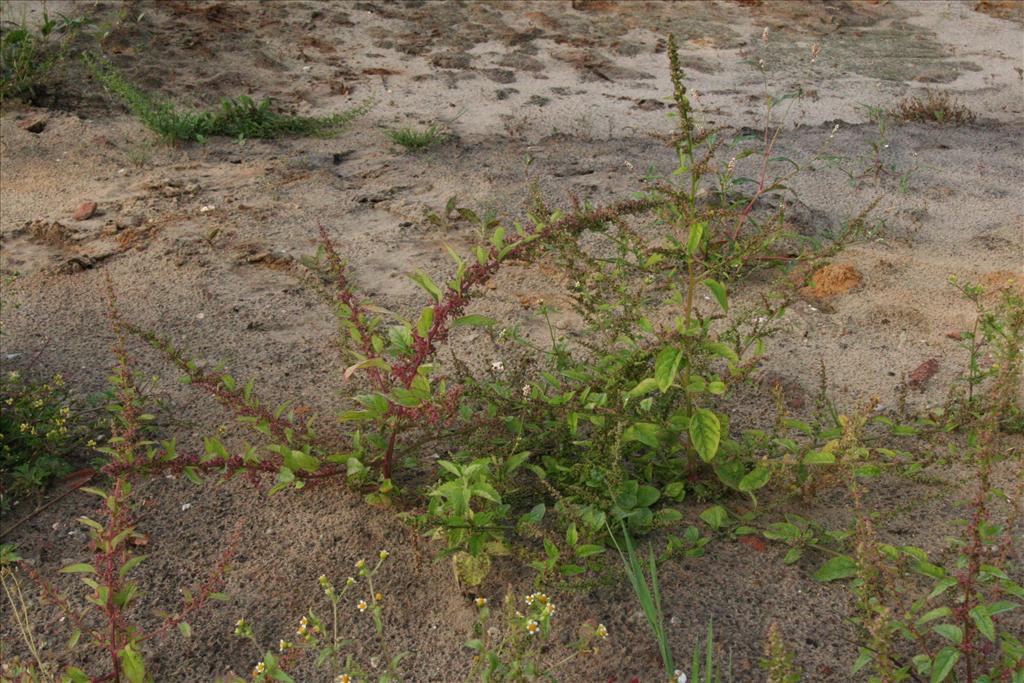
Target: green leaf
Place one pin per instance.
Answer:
(644, 432)
(984, 622)
(644, 387)
(931, 615)
(80, 568)
(666, 366)
(715, 517)
(426, 320)
(841, 567)
(475, 321)
(755, 479)
(587, 550)
(132, 664)
(718, 290)
(185, 629)
(705, 433)
(819, 458)
(572, 535)
(297, 460)
(646, 496)
(424, 281)
(696, 233)
(950, 632)
(130, 565)
(75, 675)
(943, 665)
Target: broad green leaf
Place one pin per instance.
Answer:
(705, 433)
(755, 479)
(984, 622)
(819, 458)
(943, 664)
(644, 432)
(841, 567)
(696, 233)
(426, 320)
(666, 366)
(644, 387)
(132, 664)
(79, 568)
(718, 290)
(950, 632)
(715, 517)
(586, 550)
(297, 460)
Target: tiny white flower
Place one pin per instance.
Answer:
(497, 366)
(680, 676)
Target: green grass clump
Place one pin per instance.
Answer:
(414, 140)
(239, 117)
(29, 56)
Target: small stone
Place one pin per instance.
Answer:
(923, 373)
(85, 211)
(35, 125)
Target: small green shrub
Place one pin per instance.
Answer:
(29, 56)
(39, 433)
(415, 140)
(241, 117)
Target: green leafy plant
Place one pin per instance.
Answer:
(40, 432)
(241, 117)
(112, 593)
(29, 56)
(992, 380)
(322, 640)
(518, 647)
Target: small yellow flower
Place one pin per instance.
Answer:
(9, 401)
(384, 554)
(283, 645)
(303, 626)
(480, 602)
(350, 581)
(91, 443)
(378, 596)
(361, 605)
(549, 608)
(532, 627)
(601, 631)
(360, 564)
(343, 678)
(258, 669)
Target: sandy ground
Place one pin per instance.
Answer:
(201, 241)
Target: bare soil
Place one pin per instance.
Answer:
(201, 245)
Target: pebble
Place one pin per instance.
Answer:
(85, 211)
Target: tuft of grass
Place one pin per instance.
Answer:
(648, 594)
(415, 140)
(239, 117)
(29, 55)
(933, 107)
